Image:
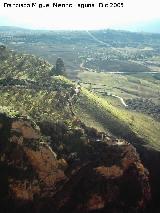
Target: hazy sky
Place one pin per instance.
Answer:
(133, 12)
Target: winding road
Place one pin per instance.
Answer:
(121, 99)
(116, 96)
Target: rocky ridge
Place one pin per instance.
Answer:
(51, 168)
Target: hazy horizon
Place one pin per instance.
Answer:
(134, 29)
(135, 16)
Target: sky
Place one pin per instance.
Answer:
(133, 14)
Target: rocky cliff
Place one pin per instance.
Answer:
(57, 169)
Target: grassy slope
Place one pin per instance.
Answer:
(23, 66)
(95, 111)
(122, 123)
(116, 118)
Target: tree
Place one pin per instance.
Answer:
(59, 69)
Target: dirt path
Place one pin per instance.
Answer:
(121, 99)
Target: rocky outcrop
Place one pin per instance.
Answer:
(113, 180)
(28, 164)
(60, 175)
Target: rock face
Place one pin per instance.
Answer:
(113, 180)
(105, 178)
(29, 167)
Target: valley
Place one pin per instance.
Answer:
(116, 114)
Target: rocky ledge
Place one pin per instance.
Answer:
(44, 174)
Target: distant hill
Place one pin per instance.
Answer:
(148, 27)
(92, 36)
(9, 29)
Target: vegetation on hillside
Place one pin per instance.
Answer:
(42, 105)
(83, 121)
(146, 106)
(59, 69)
(40, 101)
(105, 47)
(20, 66)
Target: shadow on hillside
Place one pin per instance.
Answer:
(150, 157)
